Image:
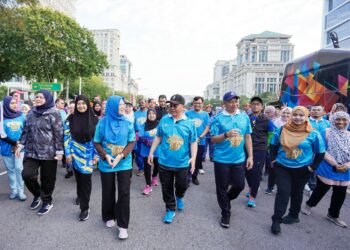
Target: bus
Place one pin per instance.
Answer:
(318, 78)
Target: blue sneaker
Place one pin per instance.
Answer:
(251, 202)
(180, 204)
(169, 216)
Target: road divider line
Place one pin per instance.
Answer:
(2, 173)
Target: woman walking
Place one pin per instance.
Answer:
(42, 140)
(114, 140)
(146, 136)
(13, 127)
(80, 151)
(296, 150)
(334, 169)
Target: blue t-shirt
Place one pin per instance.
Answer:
(174, 149)
(13, 129)
(231, 150)
(304, 154)
(148, 135)
(320, 126)
(114, 149)
(201, 121)
(63, 114)
(140, 119)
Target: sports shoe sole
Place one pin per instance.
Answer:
(84, 218)
(224, 225)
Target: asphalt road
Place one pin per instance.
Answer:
(197, 227)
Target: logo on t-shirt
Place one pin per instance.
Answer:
(293, 154)
(153, 132)
(175, 142)
(141, 120)
(235, 140)
(115, 149)
(197, 122)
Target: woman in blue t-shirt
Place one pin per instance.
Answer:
(334, 169)
(296, 150)
(13, 127)
(114, 140)
(146, 136)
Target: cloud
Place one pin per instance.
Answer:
(174, 44)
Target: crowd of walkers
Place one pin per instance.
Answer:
(299, 149)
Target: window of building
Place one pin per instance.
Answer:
(342, 31)
(263, 56)
(259, 85)
(285, 55)
(334, 4)
(338, 15)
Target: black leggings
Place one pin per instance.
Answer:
(337, 200)
(148, 169)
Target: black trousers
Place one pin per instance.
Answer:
(253, 175)
(83, 188)
(337, 200)
(199, 160)
(225, 175)
(290, 185)
(111, 209)
(148, 170)
(48, 169)
(167, 178)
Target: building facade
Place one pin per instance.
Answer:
(67, 7)
(108, 41)
(125, 71)
(336, 17)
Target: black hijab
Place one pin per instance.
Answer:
(39, 110)
(82, 125)
(149, 125)
(98, 113)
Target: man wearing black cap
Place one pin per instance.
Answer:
(263, 129)
(177, 138)
(230, 131)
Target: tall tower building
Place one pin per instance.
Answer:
(108, 41)
(336, 17)
(67, 7)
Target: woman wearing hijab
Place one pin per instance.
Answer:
(97, 108)
(296, 150)
(80, 151)
(13, 127)
(146, 136)
(334, 169)
(283, 119)
(114, 140)
(42, 140)
(129, 112)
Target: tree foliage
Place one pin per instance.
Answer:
(46, 45)
(268, 97)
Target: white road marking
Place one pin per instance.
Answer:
(3, 173)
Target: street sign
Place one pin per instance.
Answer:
(47, 85)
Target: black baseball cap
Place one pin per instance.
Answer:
(177, 99)
(256, 98)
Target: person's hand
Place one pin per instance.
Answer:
(109, 160)
(18, 152)
(69, 159)
(341, 168)
(117, 160)
(249, 163)
(95, 160)
(150, 159)
(193, 165)
(232, 133)
(59, 157)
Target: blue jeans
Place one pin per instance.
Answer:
(139, 158)
(14, 166)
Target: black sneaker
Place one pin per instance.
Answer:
(77, 201)
(225, 222)
(275, 228)
(45, 208)
(68, 174)
(289, 220)
(84, 215)
(195, 181)
(35, 203)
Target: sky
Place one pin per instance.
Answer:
(174, 44)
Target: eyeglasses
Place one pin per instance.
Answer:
(197, 103)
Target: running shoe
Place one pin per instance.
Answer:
(123, 233)
(289, 220)
(268, 190)
(275, 228)
(306, 210)
(201, 171)
(169, 216)
(110, 223)
(84, 215)
(46, 207)
(22, 196)
(336, 221)
(13, 195)
(180, 203)
(154, 181)
(225, 222)
(35, 203)
(147, 190)
(251, 202)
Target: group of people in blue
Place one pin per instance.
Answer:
(298, 147)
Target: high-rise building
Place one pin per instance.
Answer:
(125, 71)
(67, 7)
(336, 17)
(108, 41)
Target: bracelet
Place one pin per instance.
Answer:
(225, 135)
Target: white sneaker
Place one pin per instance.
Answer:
(306, 210)
(201, 171)
(123, 233)
(110, 223)
(307, 188)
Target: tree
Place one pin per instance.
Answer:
(3, 92)
(243, 100)
(47, 45)
(268, 97)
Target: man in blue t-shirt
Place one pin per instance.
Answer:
(140, 119)
(230, 131)
(201, 122)
(177, 140)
